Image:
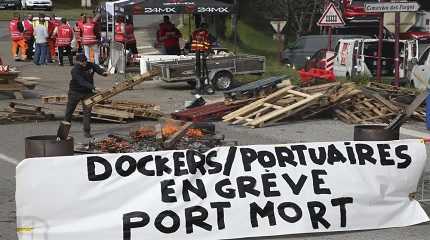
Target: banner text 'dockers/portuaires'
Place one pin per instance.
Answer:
(184, 163)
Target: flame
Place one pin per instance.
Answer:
(194, 133)
(169, 129)
(144, 132)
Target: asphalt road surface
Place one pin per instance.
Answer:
(54, 81)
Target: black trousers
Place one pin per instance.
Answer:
(202, 72)
(30, 43)
(68, 51)
(73, 100)
(173, 50)
(132, 47)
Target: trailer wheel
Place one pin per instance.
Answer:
(223, 81)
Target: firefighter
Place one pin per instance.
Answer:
(16, 30)
(52, 24)
(201, 46)
(162, 28)
(64, 37)
(78, 29)
(170, 36)
(130, 37)
(120, 35)
(28, 35)
(90, 41)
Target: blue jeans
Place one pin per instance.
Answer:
(41, 54)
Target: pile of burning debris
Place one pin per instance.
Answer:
(171, 135)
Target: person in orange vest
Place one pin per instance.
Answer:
(78, 29)
(90, 41)
(120, 35)
(16, 30)
(162, 28)
(28, 35)
(201, 46)
(131, 44)
(64, 37)
(52, 24)
(170, 36)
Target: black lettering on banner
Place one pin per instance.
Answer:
(385, 155)
(334, 155)
(132, 165)
(229, 162)
(178, 164)
(220, 206)
(228, 193)
(199, 220)
(267, 185)
(350, 152)
(215, 167)
(364, 153)
(300, 150)
(249, 155)
(400, 154)
(295, 187)
(91, 169)
(160, 164)
(246, 184)
(296, 209)
(341, 202)
(141, 166)
(267, 211)
(166, 191)
(199, 191)
(317, 216)
(318, 181)
(285, 156)
(164, 229)
(128, 224)
(194, 164)
(266, 159)
(320, 159)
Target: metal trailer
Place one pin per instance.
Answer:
(222, 69)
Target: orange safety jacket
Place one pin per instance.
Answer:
(120, 36)
(16, 35)
(200, 42)
(64, 35)
(28, 29)
(88, 35)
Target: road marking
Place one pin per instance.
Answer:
(414, 133)
(8, 159)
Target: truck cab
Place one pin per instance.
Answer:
(421, 72)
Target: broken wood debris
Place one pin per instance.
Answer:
(21, 112)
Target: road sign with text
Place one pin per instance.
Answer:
(391, 7)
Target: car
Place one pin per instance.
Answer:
(306, 46)
(37, 4)
(10, 4)
(353, 10)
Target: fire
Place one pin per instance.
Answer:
(169, 129)
(194, 133)
(143, 133)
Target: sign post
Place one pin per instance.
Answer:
(278, 26)
(388, 7)
(331, 18)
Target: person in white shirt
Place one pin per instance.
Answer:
(41, 39)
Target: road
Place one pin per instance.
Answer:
(54, 80)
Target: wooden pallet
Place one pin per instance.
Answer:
(59, 100)
(273, 108)
(119, 88)
(361, 109)
(255, 89)
(208, 112)
(107, 113)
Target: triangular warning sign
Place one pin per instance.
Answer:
(331, 17)
(278, 26)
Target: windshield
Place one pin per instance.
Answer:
(362, 2)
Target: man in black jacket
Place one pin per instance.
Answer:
(82, 87)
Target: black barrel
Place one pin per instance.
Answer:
(375, 132)
(48, 146)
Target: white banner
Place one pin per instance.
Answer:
(228, 192)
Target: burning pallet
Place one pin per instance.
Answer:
(208, 112)
(20, 112)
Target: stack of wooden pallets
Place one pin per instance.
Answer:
(20, 112)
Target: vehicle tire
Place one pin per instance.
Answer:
(192, 83)
(223, 81)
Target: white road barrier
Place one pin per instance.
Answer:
(228, 192)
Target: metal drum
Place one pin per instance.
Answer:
(48, 146)
(375, 133)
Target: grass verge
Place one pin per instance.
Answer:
(67, 13)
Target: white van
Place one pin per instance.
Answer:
(421, 72)
(358, 57)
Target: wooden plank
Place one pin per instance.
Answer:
(287, 114)
(277, 113)
(300, 94)
(169, 143)
(256, 104)
(249, 116)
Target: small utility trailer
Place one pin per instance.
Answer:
(222, 69)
